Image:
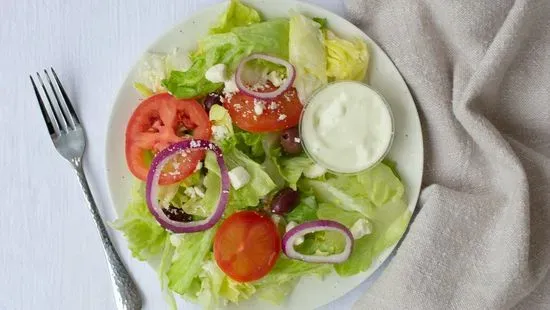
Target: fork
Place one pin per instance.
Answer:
(69, 139)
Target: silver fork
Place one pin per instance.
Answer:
(68, 138)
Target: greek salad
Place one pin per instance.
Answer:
(227, 202)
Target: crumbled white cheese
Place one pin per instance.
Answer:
(216, 74)
(314, 171)
(259, 106)
(258, 86)
(360, 228)
(273, 105)
(199, 191)
(239, 177)
(231, 86)
(219, 132)
(291, 225)
(275, 78)
(176, 239)
(282, 117)
(194, 143)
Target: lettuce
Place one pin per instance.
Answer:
(236, 15)
(283, 169)
(229, 48)
(292, 168)
(216, 288)
(308, 55)
(305, 211)
(211, 282)
(235, 147)
(155, 67)
(346, 60)
(376, 195)
(165, 262)
(235, 291)
(250, 143)
(258, 187)
(282, 279)
(189, 256)
(145, 236)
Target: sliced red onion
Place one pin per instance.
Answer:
(152, 187)
(314, 226)
(289, 81)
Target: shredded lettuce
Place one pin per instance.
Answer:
(282, 279)
(305, 211)
(270, 37)
(165, 262)
(250, 143)
(236, 15)
(235, 291)
(322, 243)
(346, 60)
(376, 195)
(155, 67)
(144, 234)
(258, 187)
(188, 259)
(308, 55)
(211, 282)
(284, 170)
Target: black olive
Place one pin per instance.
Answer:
(285, 201)
(211, 100)
(177, 214)
(290, 141)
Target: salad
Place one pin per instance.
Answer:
(226, 203)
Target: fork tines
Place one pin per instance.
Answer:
(58, 112)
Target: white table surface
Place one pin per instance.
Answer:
(50, 253)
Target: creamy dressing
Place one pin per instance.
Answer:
(346, 127)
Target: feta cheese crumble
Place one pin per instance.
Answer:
(239, 177)
(259, 106)
(360, 229)
(219, 132)
(275, 78)
(216, 74)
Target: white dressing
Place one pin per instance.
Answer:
(346, 127)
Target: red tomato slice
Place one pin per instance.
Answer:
(279, 113)
(246, 246)
(158, 122)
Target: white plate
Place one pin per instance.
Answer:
(407, 148)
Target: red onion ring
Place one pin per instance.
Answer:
(310, 227)
(289, 81)
(152, 187)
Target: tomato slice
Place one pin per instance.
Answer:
(158, 122)
(278, 113)
(246, 246)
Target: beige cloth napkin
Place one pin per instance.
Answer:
(480, 73)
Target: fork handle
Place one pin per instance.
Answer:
(127, 295)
